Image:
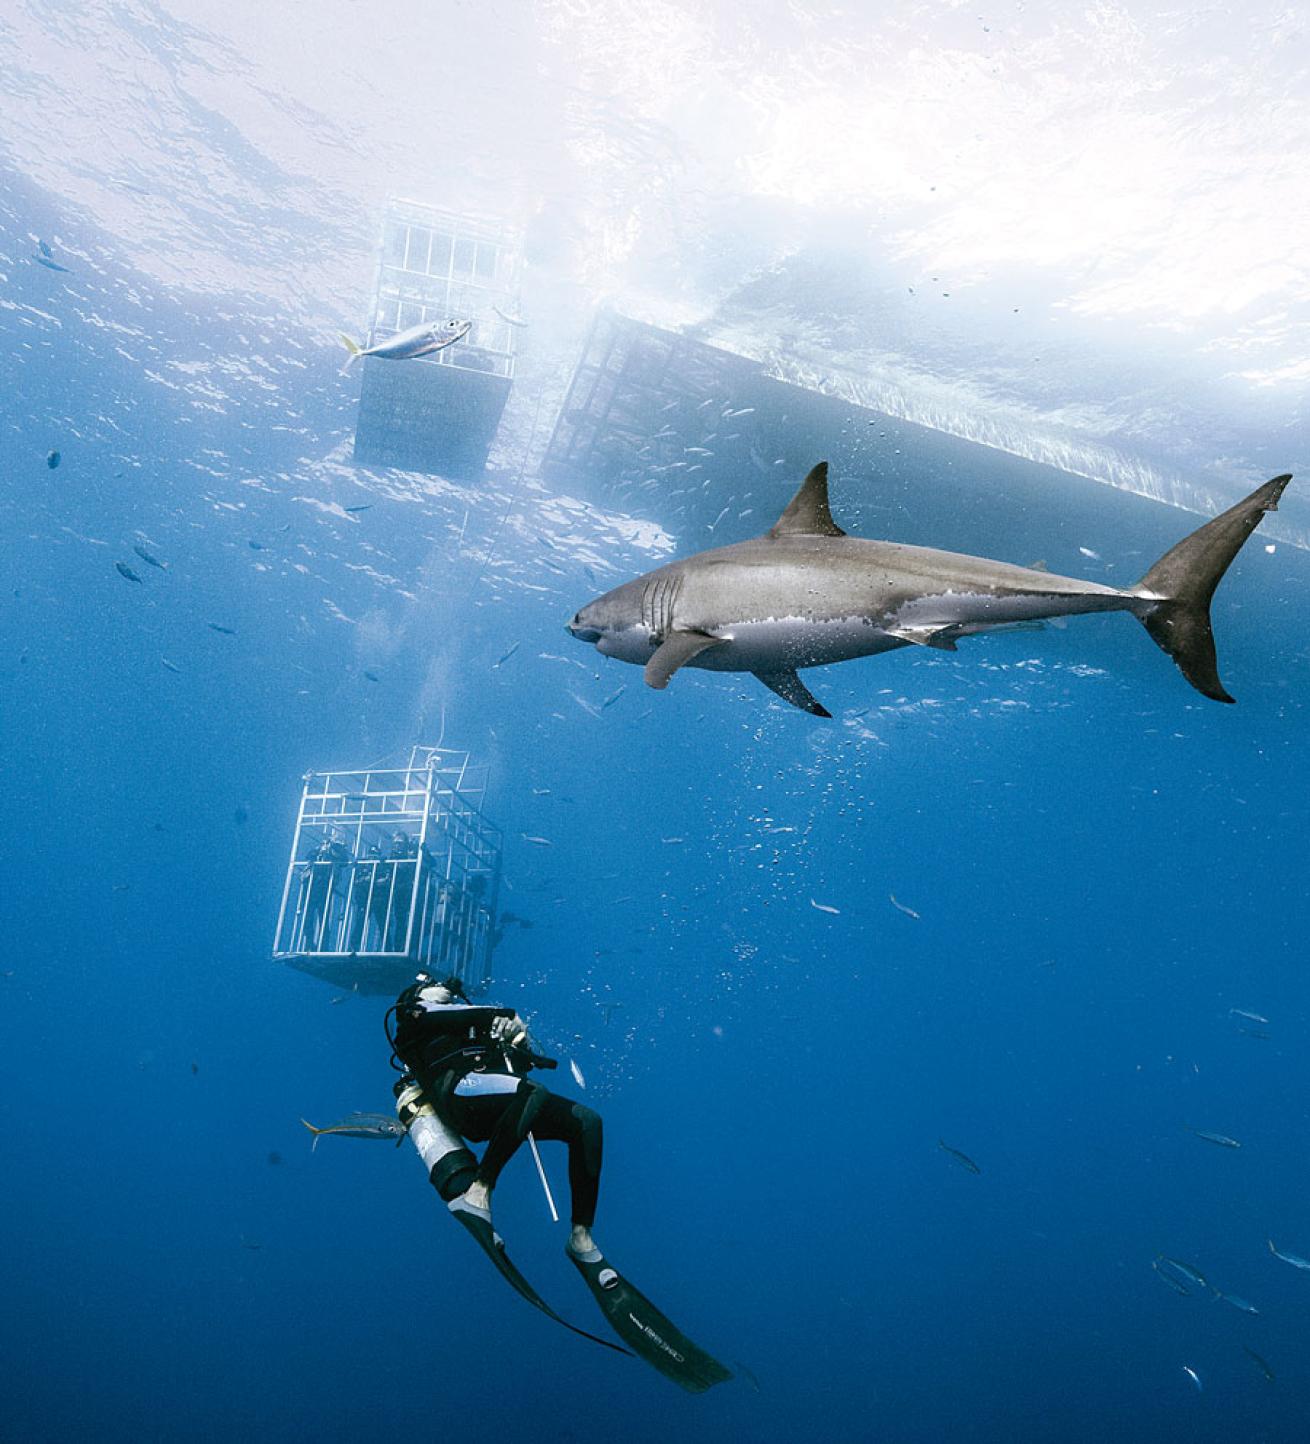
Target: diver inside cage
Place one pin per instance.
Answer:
(323, 883)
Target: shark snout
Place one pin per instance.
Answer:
(579, 629)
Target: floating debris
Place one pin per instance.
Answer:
(901, 908)
(126, 572)
(962, 1159)
(825, 908)
(241, 815)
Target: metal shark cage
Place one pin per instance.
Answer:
(392, 870)
(439, 412)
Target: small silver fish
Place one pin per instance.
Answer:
(1295, 1260)
(1193, 1276)
(149, 558)
(1222, 1140)
(501, 660)
(1187, 1368)
(126, 572)
(577, 1074)
(1242, 1305)
(962, 1159)
(825, 908)
(508, 319)
(1250, 1017)
(901, 908)
(360, 1125)
(537, 841)
(1259, 1363)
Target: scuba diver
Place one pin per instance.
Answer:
(465, 1069)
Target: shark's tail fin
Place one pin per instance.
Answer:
(1178, 588)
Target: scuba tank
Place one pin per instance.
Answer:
(450, 1162)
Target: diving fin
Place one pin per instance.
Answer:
(649, 1334)
(489, 1241)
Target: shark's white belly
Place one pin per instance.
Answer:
(786, 643)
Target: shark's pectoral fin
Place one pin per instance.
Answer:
(943, 638)
(675, 651)
(791, 689)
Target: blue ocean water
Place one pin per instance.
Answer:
(1019, 899)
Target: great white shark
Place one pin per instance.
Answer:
(805, 594)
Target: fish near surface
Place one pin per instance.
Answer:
(805, 594)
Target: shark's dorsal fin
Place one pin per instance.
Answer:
(807, 513)
(676, 650)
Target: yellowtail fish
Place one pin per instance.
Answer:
(1295, 1260)
(421, 340)
(1222, 1140)
(962, 1159)
(361, 1125)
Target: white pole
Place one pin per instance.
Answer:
(545, 1182)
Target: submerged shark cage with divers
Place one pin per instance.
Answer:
(392, 870)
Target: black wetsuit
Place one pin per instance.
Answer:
(446, 1047)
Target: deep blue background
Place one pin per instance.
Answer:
(1104, 865)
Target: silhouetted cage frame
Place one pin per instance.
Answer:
(434, 265)
(359, 911)
(630, 378)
